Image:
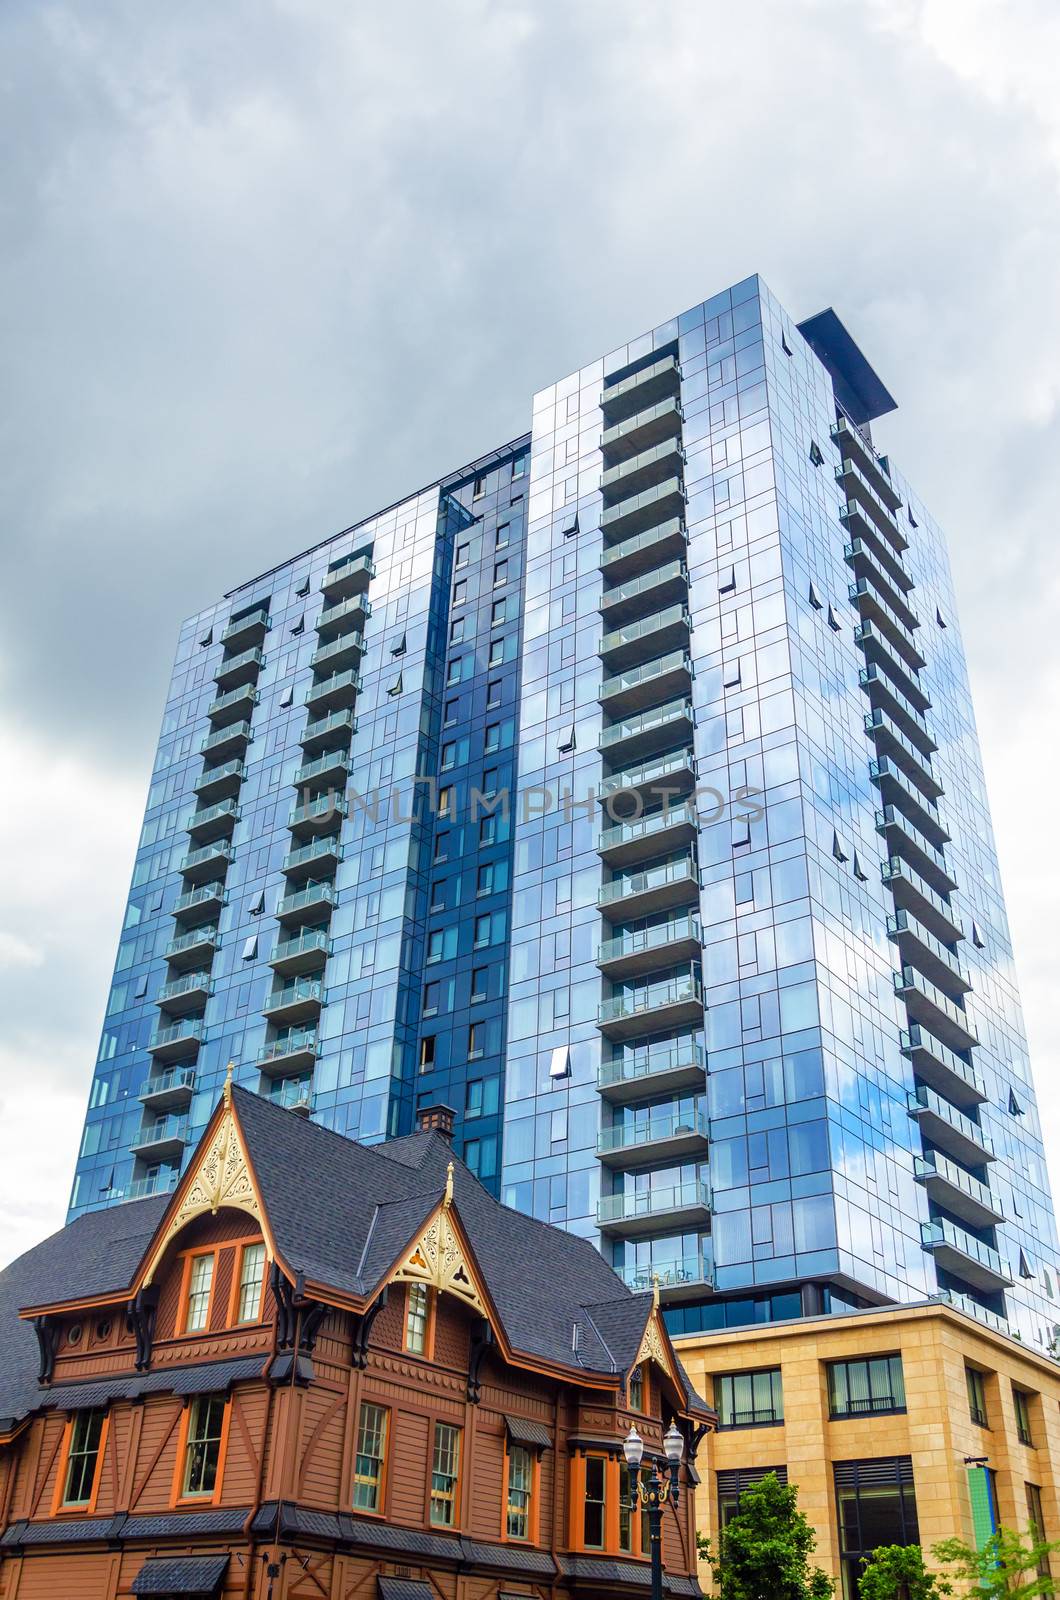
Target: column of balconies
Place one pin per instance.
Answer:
(653, 1066)
(174, 1046)
(303, 913)
(939, 1037)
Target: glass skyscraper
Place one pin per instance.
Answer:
(622, 792)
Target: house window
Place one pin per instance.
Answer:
(859, 1388)
(479, 981)
(636, 1389)
(976, 1396)
(520, 1491)
(503, 535)
(445, 1475)
(427, 1052)
(476, 1035)
(463, 555)
(633, 1536)
(371, 1458)
(460, 592)
(1021, 1401)
(493, 694)
(1037, 1523)
(83, 1458)
(456, 630)
(493, 738)
(430, 999)
(202, 1451)
(876, 1506)
(445, 801)
(496, 655)
(595, 1512)
(500, 573)
(200, 1283)
(485, 879)
(417, 1317)
(451, 709)
(448, 756)
(251, 1282)
(749, 1399)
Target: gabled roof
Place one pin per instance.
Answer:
(343, 1219)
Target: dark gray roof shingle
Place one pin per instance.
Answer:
(169, 1575)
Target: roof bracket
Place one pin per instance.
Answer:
(481, 1340)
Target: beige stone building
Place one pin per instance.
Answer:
(898, 1425)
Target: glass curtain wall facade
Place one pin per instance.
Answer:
(694, 918)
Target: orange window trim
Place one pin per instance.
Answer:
(533, 1534)
(59, 1509)
(384, 1476)
(461, 1467)
(612, 1483)
(241, 1247)
(177, 1496)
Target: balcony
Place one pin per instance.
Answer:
(911, 893)
(956, 1190)
(215, 782)
(666, 1136)
(903, 796)
(651, 783)
(668, 1067)
(877, 649)
(647, 732)
(309, 904)
(904, 840)
(334, 693)
(343, 651)
(351, 575)
(338, 728)
(672, 1000)
(872, 554)
(665, 677)
(627, 842)
(658, 381)
(239, 669)
(644, 510)
(177, 1041)
(317, 816)
(972, 1308)
(629, 558)
(645, 470)
(920, 948)
(634, 951)
(228, 740)
(163, 1180)
(858, 453)
(193, 948)
(333, 767)
(965, 1256)
(892, 742)
(954, 1133)
(651, 591)
(942, 1017)
(293, 1094)
(318, 855)
(870, 571)
(886, 696)
(942, 1069)
(344, 615)
(873, 606)
(166, 1090)
(160, 1138)
(306, 952)
(299, 1001)
(642, 430)
(655, 888)
(196, 905)
(654, 1210)
(206, 862)
(289, 1054)
(189, 992)
(640, 641)
(247, 630)
(213, 822)
(677, 1280)
(234, 706)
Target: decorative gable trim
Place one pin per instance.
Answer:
(655, 1346)
(439, 1260)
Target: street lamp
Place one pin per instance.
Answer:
(655, 1493)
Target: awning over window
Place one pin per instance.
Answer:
(195, 1575)
(405, 1589)
(521, 1430)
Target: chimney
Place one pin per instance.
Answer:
(438, 1119)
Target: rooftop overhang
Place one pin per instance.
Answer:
(858, 387)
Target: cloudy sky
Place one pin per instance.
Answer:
(268, 266)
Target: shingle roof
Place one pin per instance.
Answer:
(404, 1589)
(169, 1575)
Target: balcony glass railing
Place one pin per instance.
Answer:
(653, 1130)
(923, 1099)
(161, 1130)
(164, 1181)
(189, 1028)
(332, 615)
(241, 625)
(651, 996)
(224, 810)
(915, 763)
(904, 925)
(314, 894)
(239, 663)
(891, 818)
(320, 727)
(634, 677)
(232, 734)
(172, 1081)
(621, 399)
(646, 772)
(333, 761)
(690, 1196)
(642, 463)
(912, 984)
(351, 567)
(344, 683)
(633, 632)
(214, 775)
(190, 983)
(320, 810)
(246, 694)
(940, 1231)
(643, 722)
(933, 1164)
(690, 1270)
(292, 1094)
(290, 994)
(635, 883)
(669, 572)
(346, 644)
(315, 850)
(667, 414)
(207, 934)
(647, 827)
(312, 940)
(660, 536)
(197, 897)
(670, 1056)
(291, 1043)
(218, 850)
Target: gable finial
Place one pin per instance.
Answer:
(655, 1291)
(447, 1202)
(228, 1083)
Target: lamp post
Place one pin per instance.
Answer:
(655, 1493)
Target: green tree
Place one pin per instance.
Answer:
(897, 1572)
(765, 1549)
(1010, 1566)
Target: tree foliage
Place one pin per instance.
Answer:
(765, 1549)
(1010, 1566)
(897, 1572)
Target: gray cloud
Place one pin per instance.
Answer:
(267, 267)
